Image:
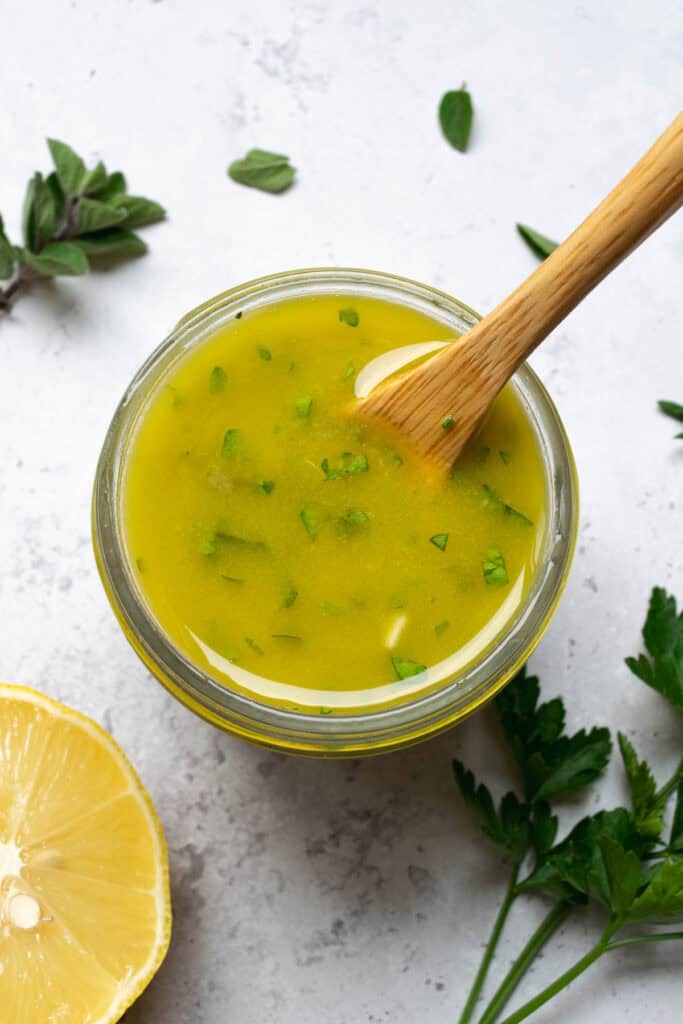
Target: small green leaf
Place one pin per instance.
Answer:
(455, 116)
(448, 422)
(349, 316)
(543, 828)
(441, 627)
(254, 646)
(217, 380)
(622, 869)
(43, 211)
(112, 243)
(494, 569)
(405, 667)
(95, 180)
(286, 636)
(356, 516)
(663, 636)
(331, 608)
(505, 457)
(325, 711)
(58, 259)
(114, 185)
(7, 258)
(311, 518)
(347, 465)
(265, 353)
(71, 170)
(93, 215)
(672, 409)
(539, 244)
(509, 827)
(439, 540)
(303, 407)
(676, 837)
(28, 215)
(207, 545)
(662, 900)
(648, 811)
(290, 597)
(269, 172)
(266, 487)
(494, 501)
(231, 439)
(137, 211)
(349, 371)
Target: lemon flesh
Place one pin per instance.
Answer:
(85, 915)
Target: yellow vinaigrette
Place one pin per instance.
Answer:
(286, 547)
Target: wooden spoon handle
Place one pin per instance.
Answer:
(642, 201)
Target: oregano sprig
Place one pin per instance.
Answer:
(72, 216)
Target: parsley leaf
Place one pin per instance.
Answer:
(303, 407)
(356, 516)
(439, 540)
(266, 486)
(265, 353)
(663, 636)
(455, 116)
(254, 646)
(575, 868)
(662, 900)
(269, 172)
(349, 316)
(648, 811)
(494, 501)
(441, 627)
(508, 827)
(290, 597)
(230, 443)
(217, 380)
(676, 837)
(494, 569)
(347, 465)
(448, 422)
(539, 244)
(405, 667)
(551, 763)
(311, 518)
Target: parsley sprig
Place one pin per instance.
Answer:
(619, 859)
(551, 764)
(72, 216)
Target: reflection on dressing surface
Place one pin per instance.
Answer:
(292, 552)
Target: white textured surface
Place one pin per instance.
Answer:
(338, 893)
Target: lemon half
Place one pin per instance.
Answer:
(85, 913)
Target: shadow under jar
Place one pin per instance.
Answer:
(212, 635)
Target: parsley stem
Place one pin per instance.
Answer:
(636, 940)
(499, 923)
(566, 979)
(545, 930)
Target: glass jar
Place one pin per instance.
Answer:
(354, 731)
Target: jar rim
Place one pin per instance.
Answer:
(374, 729)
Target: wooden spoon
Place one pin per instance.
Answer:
(441, 402)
